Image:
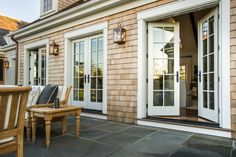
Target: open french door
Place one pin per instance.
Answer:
(163, 69)
(208, 67)
(88, 72)
(37, 67)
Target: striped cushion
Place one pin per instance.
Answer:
(33, 96)
(7, 140)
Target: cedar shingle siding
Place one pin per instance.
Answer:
(122, 60)
(233, 66)
(62, 4)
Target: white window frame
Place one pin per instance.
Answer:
(181, 7)
(27, 48)
(49, 12)
(69, 37)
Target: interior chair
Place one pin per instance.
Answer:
(12, 112)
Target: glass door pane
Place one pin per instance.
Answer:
(78, 71)
(163, 66)
(208, 58)
(96, 67)
(43, 67)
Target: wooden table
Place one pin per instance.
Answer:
(48, 114)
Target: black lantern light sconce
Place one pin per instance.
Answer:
(119, 35)
(54, 49)
(6, 63)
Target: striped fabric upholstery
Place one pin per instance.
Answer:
(11, 106)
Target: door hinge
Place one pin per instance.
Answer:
(29, 68)
(218, 110)
(146, 80)
(147, 55)
(218, 16)
(218, 79)
(30, 83)
(146, 105)
(30, 54)
(218, 47)
(147, 31)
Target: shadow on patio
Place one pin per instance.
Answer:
(101, 138)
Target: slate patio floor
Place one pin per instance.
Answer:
(101, 138)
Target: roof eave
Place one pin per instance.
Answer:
(58, 19)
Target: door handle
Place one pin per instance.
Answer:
(200, 76)
(177, 76)
(85, 79)
(39, 80)
(88, 78)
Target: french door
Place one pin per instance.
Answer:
(208, 65)
(37, 67)
(163, 69)
(88, 72)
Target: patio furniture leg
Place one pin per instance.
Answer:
(19, 152)
(48, 132)
(64, 125)
(28, 128)
(33, 129)
(77, 120)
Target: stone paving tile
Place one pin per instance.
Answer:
(209, 144)
(168, 137)
(101, 138)
(113, 126)
(93, 133)
(153, 147)
(120, 140)
(137, 131)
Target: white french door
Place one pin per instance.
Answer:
(88, 72)
(37, 67)
(208, 67)
(163, 69)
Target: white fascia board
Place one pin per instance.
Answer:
(61, 18)
(92, 11)
(8, 47)
(176, 7)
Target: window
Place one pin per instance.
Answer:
(47, 5)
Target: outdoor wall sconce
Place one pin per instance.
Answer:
(119, 35)
(54, 49)
(6, 64)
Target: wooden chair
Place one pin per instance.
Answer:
(12, 112)
(63, 102)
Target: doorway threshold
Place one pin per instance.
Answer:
(213, 130)
(187, 121)
(93, 114)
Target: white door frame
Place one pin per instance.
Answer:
(181, 7)
(163, 110)
(87, 104)
(100, 28)
(27, 48)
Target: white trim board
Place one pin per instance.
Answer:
(174, 8)
(213, 132)
(183, 6)
(80, 33)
